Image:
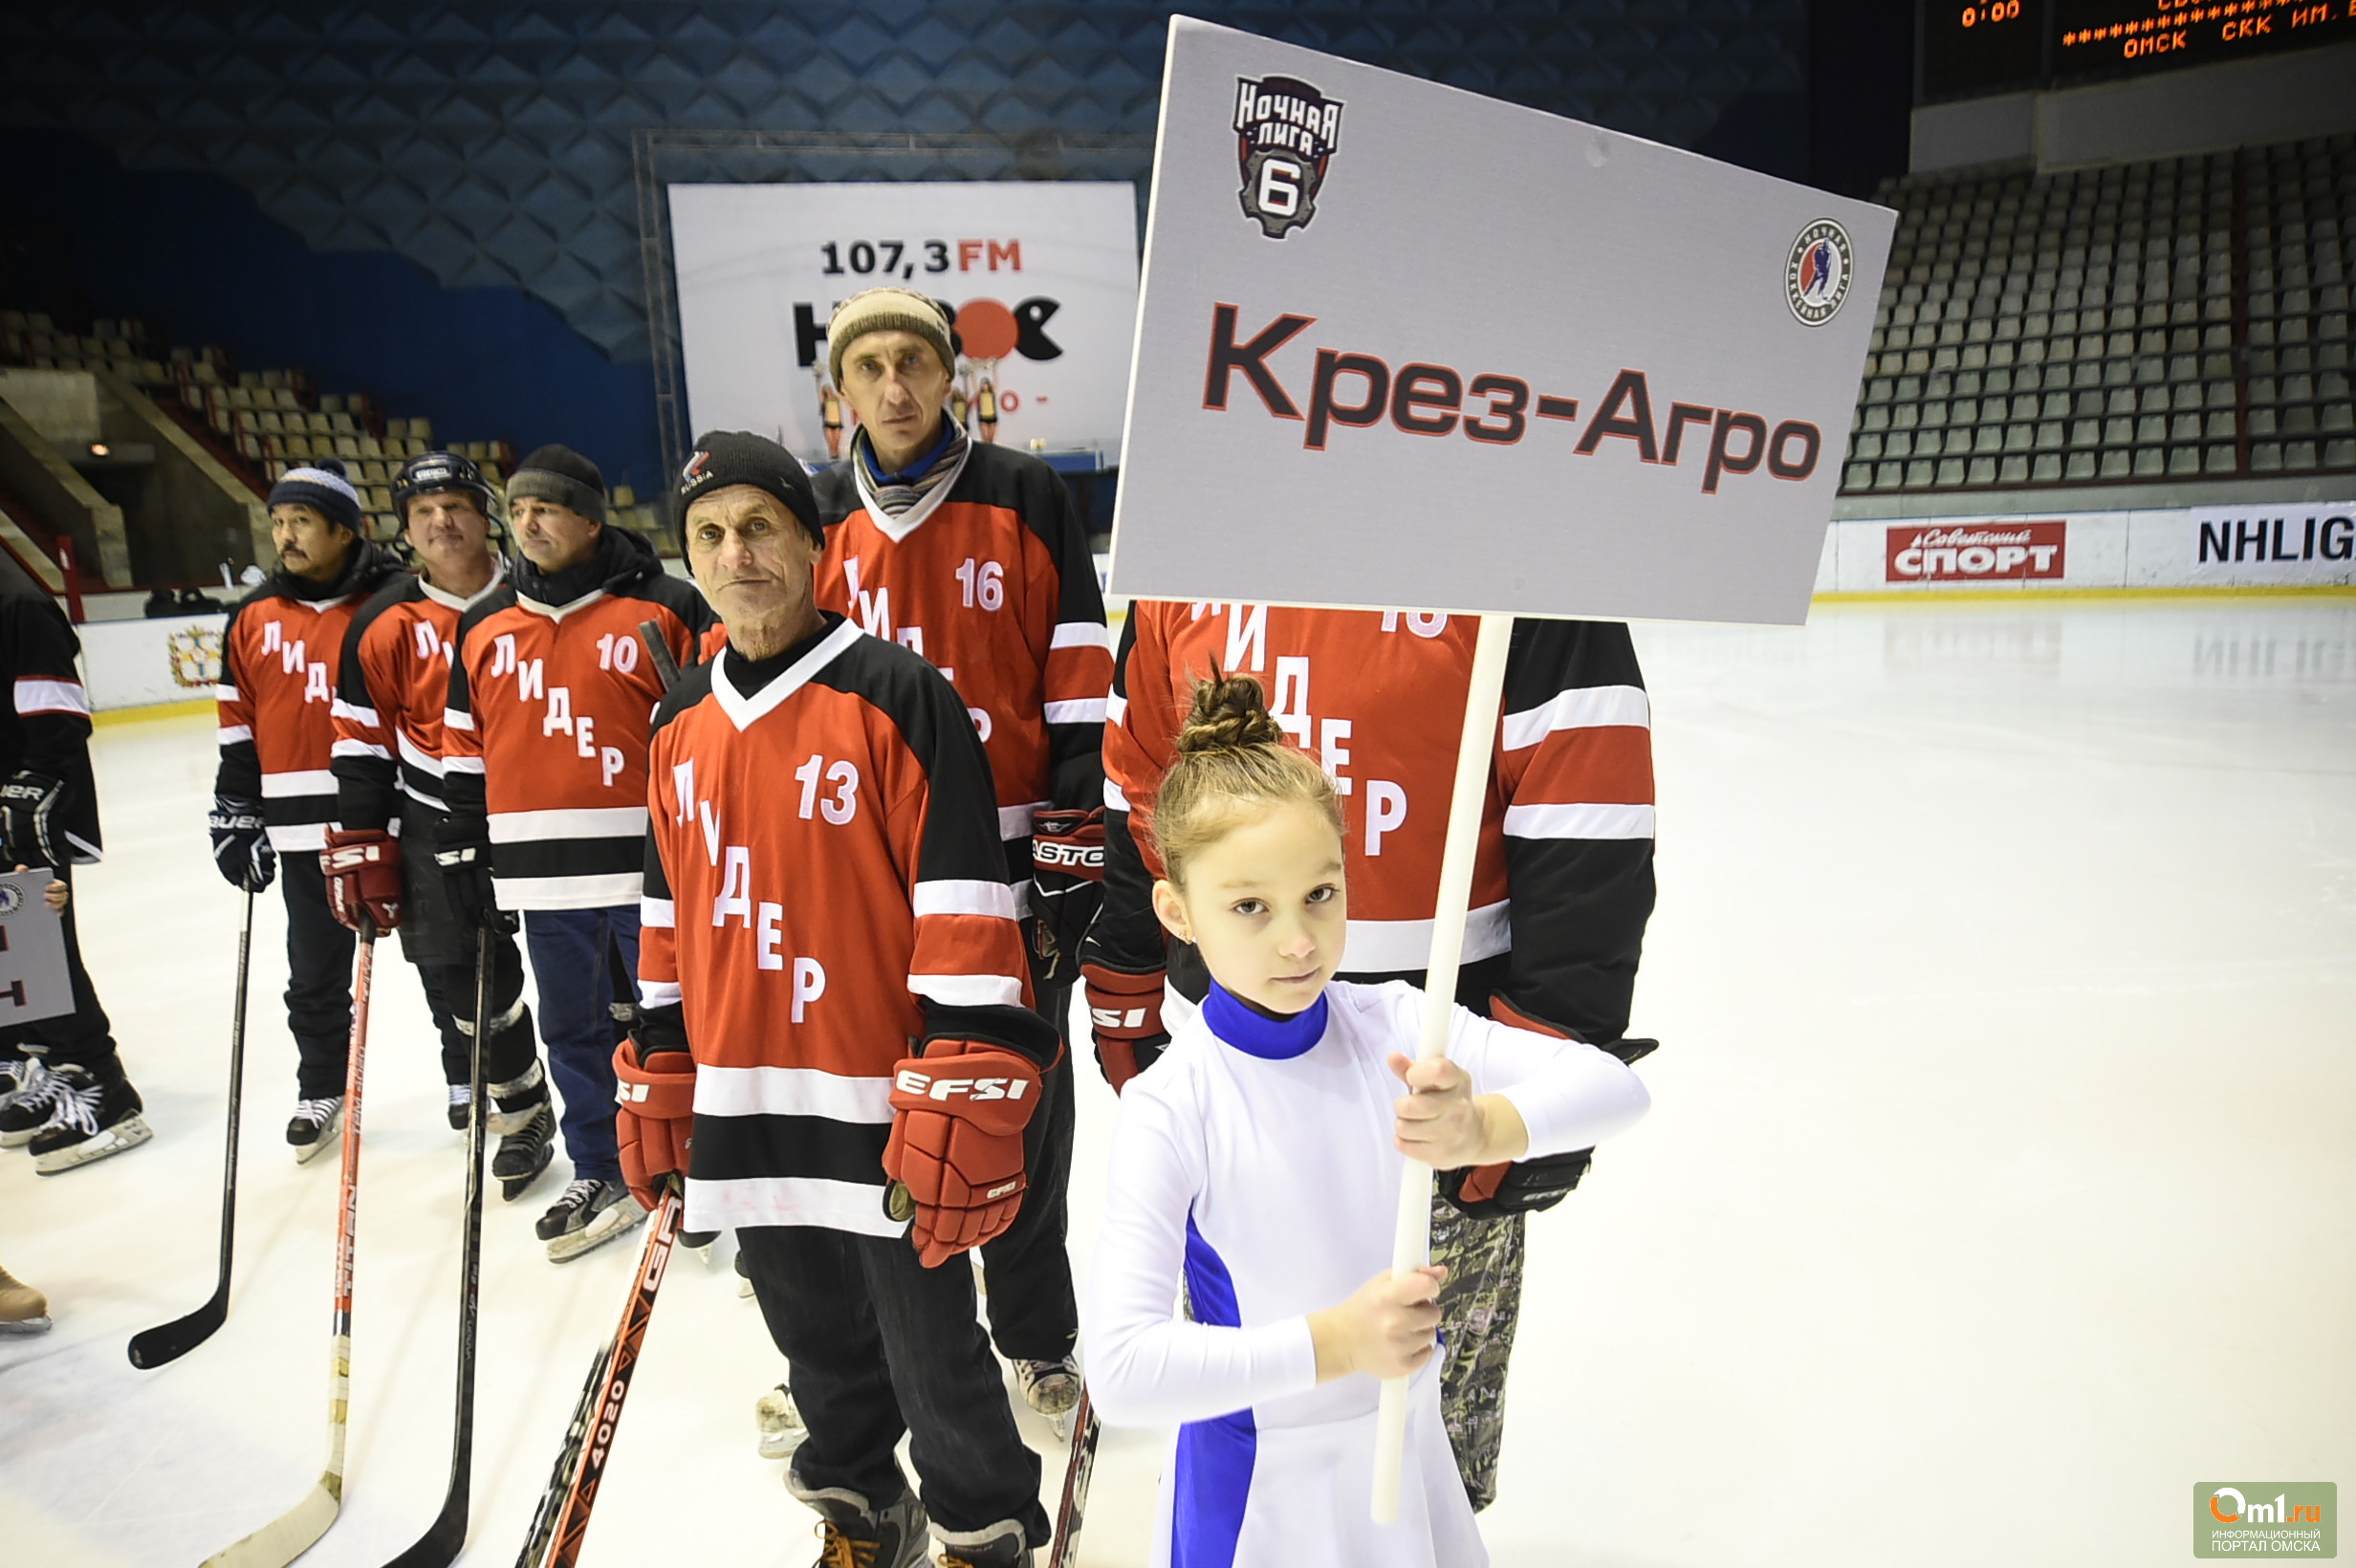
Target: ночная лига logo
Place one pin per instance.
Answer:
(1285, 134)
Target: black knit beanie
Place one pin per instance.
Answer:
(563, 476)
(320, 485)
(738, 457)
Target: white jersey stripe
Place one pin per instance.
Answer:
(792, 1091)
(660, 913)
(1581, 707)
(307, 782)
(969, 990)
(417, 756)
(1587, 821)
(1395, 946)
(790, 1200)
(358, 749)
(1081, 633)
(233, 734)
(1079, 711)
(946, 896)
(508, 827)
(1014, 822)
(611, 890)
(37, 695)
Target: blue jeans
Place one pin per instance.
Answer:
(570, 956)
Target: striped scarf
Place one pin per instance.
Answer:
(897, 492)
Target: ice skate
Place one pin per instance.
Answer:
(88, 1119)
(314, 1126)
(589, 1214)
(743, 1279)
(1052, 1388)
(524, 1153)
(26, 1101)
(850, 1531)
(462, 1101)
(1000, 1545)
(780, 1420)
(23, 1310)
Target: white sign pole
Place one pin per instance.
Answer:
(1412, 1242)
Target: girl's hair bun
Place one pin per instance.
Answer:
(1230, 713)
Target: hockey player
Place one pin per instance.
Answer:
(1561, 889)
(975, 555)
(1284, 1082)
(825, 889)
(275, 791)
(62, 1086)
(392, 688)
(544, 771)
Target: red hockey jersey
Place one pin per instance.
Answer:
(824, 887)
(1562, 881)
(545, 736)
(988, 577)
(392, 686)
(279, 654)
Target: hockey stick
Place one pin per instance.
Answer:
(562, 1522)
(1411, 1243)
(665, 665)
(293, 1533)
(1078, 1471)
(568, 1459)
(151, 1348)
(441, 1540)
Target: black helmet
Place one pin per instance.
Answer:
(437, 471)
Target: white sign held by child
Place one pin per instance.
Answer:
(1401, 345)
(35, 983)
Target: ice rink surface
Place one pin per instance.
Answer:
(1999, 1185)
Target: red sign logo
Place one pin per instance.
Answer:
(1975, 552)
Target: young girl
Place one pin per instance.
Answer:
(1259, 1161)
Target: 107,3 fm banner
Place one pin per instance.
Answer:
(1041, 276)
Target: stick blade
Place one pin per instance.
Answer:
(288, 1536)
(167, 1343)
(443, 1540)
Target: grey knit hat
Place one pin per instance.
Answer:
(886, 310)
(321, 486)
(563, 476)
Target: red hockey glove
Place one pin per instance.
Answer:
(1124, 1011)
(654, 1122)
(1067, 881)
(363, 874)
(956, 1143)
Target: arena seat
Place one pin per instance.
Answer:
(2173, 320)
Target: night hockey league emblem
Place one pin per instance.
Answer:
(1816, 279)
(1285, 134)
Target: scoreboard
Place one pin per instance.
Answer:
(1984, 46)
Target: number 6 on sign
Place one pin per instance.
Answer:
(1280, 187)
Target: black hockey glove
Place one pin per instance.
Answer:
(1528, 1187)
(462, 849)
(31, 812)
(241, 843)
(1067, 887)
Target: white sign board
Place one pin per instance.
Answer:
(135, 664)
(35, 983)
(1042, 276)
(1399, 345)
